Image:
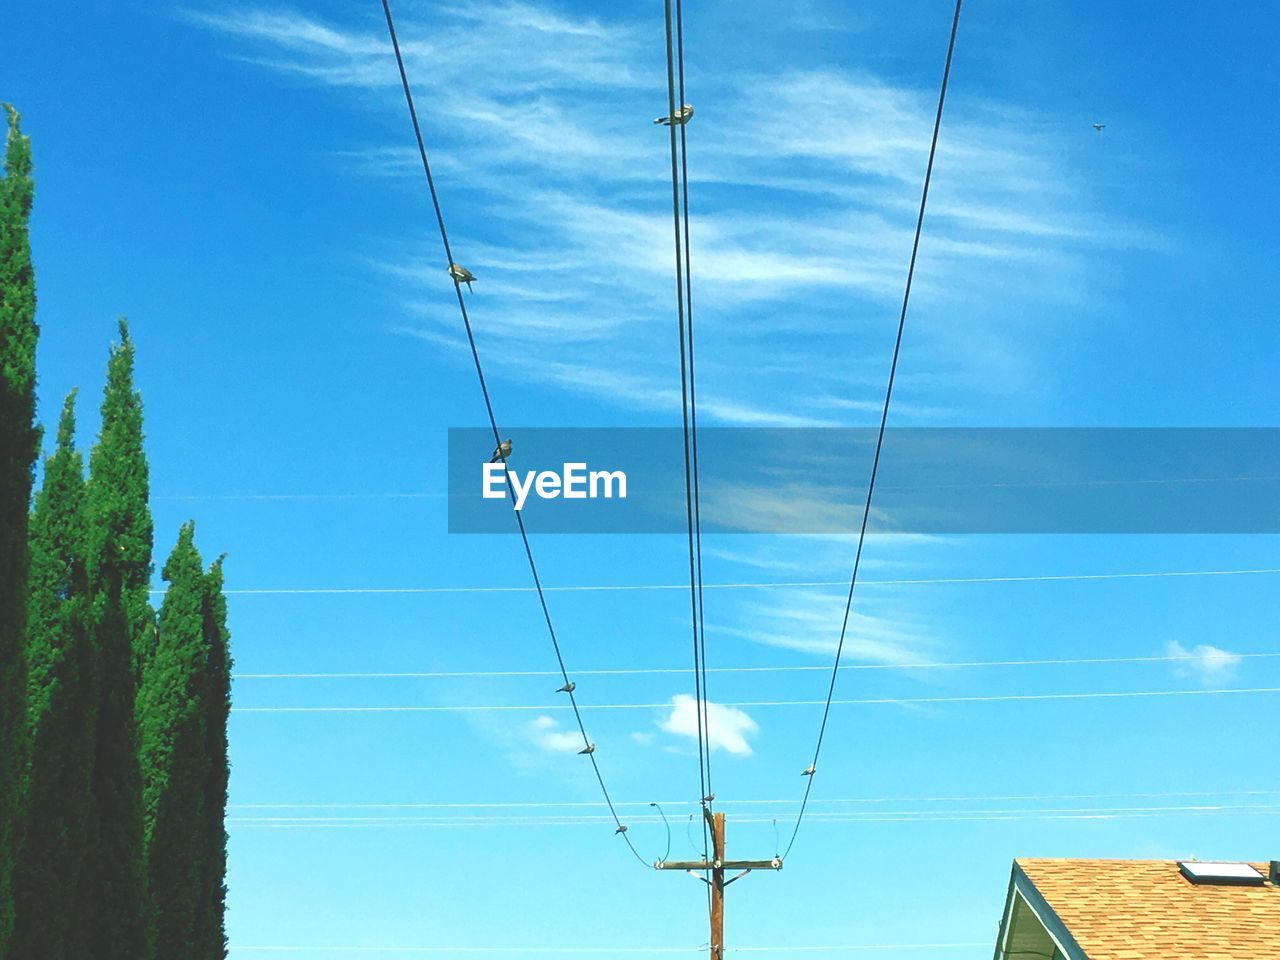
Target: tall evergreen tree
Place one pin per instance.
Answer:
(19, 442)
(182, 711)
(115, 914)
(171, 730)
(211, 937)
(60, 714)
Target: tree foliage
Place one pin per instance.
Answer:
(19, 441)
(211, 938)
(113, 721)
(60, 710)
(171, 726)
(115, 908)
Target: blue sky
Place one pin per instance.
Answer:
(238, 179)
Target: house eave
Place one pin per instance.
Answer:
(1021, 887)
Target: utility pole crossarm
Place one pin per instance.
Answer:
(717, 867)
(774, 864)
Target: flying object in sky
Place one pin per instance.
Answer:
(1098, 127)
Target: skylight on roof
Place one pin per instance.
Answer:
(1221, 874)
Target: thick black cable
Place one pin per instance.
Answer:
(493, 423)
(666, 823)
(884, 419)
(684, 397)
(695, 618)
(693, 397)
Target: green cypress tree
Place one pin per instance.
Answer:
(19, 443)
(60, 716)
(171, 730)
(211, 938)
(115, 912)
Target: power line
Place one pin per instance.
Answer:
(790, 668)
(205, 497)
(433, 495)
(688, 396)
(693, 395)
(588, 747)
(742, 704)
(757, 585)
(838, 816)
(693, 385)
(609, 950)
(369, 949)
(1008, 816)
(570, 804)
(884, 419)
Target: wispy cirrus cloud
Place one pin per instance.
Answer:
(460, 39)
(804, 182)
(808, 621)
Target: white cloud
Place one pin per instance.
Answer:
(808, 621)
(545, 732)
(809, 219)
(552, 49)
(826, 556)
(727, 727)
(1204, 662)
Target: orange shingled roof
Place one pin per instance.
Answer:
(1140, 909)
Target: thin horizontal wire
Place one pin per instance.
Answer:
(826, 948)
(366, 949)
(1018, 817)
(206, 497)
(858, 946)
(638, 671)
(1163, 481)
(1103, 482)
(534, 804)
(749, 585)
(835, 816)
(994, 698)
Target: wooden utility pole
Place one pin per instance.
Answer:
(717, 866)
(717, 887)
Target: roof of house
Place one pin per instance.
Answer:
(1138, 909)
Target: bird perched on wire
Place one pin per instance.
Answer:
(681, 117)
(586, 751)
(501, 451)
(461, 274)
(569, 687)
(1098, 127)
(809, 771)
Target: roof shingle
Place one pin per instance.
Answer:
(1146, 909)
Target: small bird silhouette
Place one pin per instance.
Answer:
(708, 798)
(589, 749)
(1098, 127)
(567, 688)
(622, 828)
(809, 771)
(501, 451)
(682, 116)
(461, 274)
